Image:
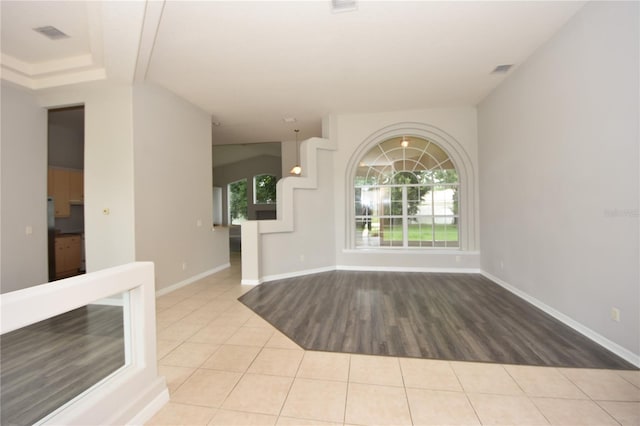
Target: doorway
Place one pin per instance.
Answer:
(65, 192)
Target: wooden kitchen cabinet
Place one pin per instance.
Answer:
(76, 186)
(68, 255)
(61, 192)
(66, 186)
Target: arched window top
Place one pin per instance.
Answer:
(404, 160)
(406, 196)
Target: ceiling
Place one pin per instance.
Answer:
(252, 64)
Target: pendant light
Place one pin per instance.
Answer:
(297, 170)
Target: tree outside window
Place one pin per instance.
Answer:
(237, 198)
(406, 195)
(264, 189)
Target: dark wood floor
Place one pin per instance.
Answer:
(49, 363)
(463, 317)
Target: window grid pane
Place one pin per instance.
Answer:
(413, 182)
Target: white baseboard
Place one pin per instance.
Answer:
(585, 331)
(191, 280)
(297, 273)
(407, 269)
(150, 410)
(250, 282)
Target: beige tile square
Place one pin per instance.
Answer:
(430, 407)
(281, 341)
(179, 414)
(429, 374)
(257, 321)
(191, 304)
(175, 376)
(238, 418)
(163, 347)
(325, 366)
(632, 377)
(277, 362)
(626, 413)
(233, 317)
(602, 385)
(232, 358)
(375, 370)
(179, 331)
(544, 382)
(485, 378)
(206, 387)
(258, 393)
(189, 354)
(250, 336)
(316, 400)
(290, 421)
(379, 405)
(507, 410)
(571, 412)
(214, 333)
(172, 314)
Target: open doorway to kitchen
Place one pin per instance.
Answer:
(65, 192)
(245, 177)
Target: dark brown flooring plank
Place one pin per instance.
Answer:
(463, 317)
(49, 363)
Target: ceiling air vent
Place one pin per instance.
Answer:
(343, 5)
(502, 69)
(52, 32)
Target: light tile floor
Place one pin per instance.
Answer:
(224, 365)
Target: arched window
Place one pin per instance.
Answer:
(406, 195)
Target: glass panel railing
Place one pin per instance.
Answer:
(45, 365)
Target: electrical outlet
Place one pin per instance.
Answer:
(28, 230)
(302, 258)
(615, 314)
(184, 266)
(501, 265)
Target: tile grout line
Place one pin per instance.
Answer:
(404, 387)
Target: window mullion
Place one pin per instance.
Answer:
(405, 219)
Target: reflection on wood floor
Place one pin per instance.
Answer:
(49, 363)
(461, 317)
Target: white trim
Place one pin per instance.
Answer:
(410, 250)
(191, 280)
(250, 282)
(365, 268)
(146, 413)
(580, 328)
(298, 273)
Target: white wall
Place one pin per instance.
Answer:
(108, 174)
(355, 132)
(173, 187)
(24, 190)
(559, 173)
(311, 245)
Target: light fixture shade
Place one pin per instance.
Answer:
(296, 170)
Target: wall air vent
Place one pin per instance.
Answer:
(51, 32)
(502, 69)
(343, 5)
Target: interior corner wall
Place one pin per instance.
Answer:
(310, 247)
(353, 130)
(24, 261)
(173, 187)
(559, 173)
